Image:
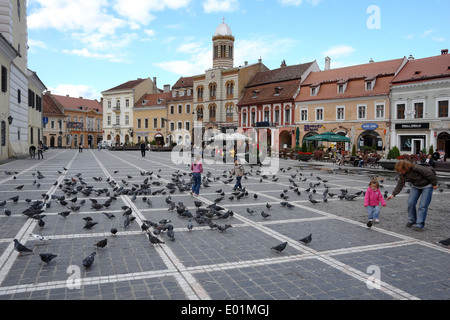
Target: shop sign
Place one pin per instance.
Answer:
(414, 126)
(369, 126)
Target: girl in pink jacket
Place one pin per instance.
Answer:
(372, 200)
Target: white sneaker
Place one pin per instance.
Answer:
(377, 220)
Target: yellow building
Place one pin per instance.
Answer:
(150, 118)
(180, 112)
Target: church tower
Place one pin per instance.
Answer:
(223, 47)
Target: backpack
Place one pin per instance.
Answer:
(426, 165)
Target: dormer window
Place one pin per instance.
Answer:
(370, 83)
(314, 90)
(174, 94)
(342, 86)
(278, 91)
(256, 93)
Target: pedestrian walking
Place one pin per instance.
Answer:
(372, 200)
(32, 151)
(197, 170)
(143, 147)
(239, 171)
(422, 181)
(40, 150)
(80, 148)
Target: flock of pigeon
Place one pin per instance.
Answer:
(213, 215)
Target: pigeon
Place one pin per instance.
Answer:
(64, 213)
(369, 224)
(222, 228)
(20, 247)
(102, 243)
(89, 260)
(47, 257)
(2, 203)
(170, 232)
(445, 242)
(41, 223)
(40, 238)
(306, 239)
(153, 239)
(268, 206)
(7, 212)
(19, 187)
(250, 211)
(89, 224)
(190, 225)
(280, 247)
(113, 231)
(14, 199)
(265, 215)
(109, 215)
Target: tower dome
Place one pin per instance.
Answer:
(223, 30)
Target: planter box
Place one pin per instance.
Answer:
(386, 164)
(304, 157)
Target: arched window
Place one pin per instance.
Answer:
(199, 113)
(229, 112)
(200, 93)
(212, 91)
(212, 112)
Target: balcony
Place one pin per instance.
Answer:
(265, 124)
(117, 109)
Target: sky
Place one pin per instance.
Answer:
(84, 47)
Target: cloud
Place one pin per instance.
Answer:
(88, 54)
(339, 51)
(298, 3)
(214, 6)
(427, 33)
(36, 44)
(140, 11)
(75, 91)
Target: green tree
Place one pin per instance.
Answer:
(394, 153)
(354, 150)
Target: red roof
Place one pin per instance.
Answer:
(151, 100)
(354, 77)
(76, 103)
(424, 69)
(50, 108)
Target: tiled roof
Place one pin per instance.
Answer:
(184, 82)
(282, 74)
(50, 107)
(127, 85)
(151, 100)
(354, 77)
(424, 69)
(267, 93)
(75, 103)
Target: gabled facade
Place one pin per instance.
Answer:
(150, 118)
(81, 123)
(180, 112)
(420, 113)
(351, 101)
(268, 102)
(118, 103)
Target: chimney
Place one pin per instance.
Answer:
(327, 63)
(246, 63)
(283, 64)
(155, 87)
(410, 57)
(167, 88)
(371, 60)
(444, 51)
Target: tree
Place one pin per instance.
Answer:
(394, 153)
(304, 147)
(354, 150)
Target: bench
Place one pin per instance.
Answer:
(371, 163)
(349, 161)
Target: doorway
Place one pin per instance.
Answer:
(416, 145)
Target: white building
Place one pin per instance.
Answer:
(420, 97)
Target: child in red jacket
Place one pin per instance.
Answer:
(372, 200)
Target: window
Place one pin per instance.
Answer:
(212, 113)
(212, 91)
(163, 123)
(109, 120)
(180, 109)
(319, 114)
(341, 88)
(52, 124)
(118, 104)
(4, 79)
(3, 134)
(361, 112)
(443, 109)
(187, 125)
(340, 113)
(369, 85)
(304, 115)
(172, 126)
(313, 91)
(180, 125)
(230, 89)
(379, 111)
(117, 120)
(31, 99)
(401, 111)
(19, 96)
(287, 115)
(199, 113)
(229, 113)
(127, 103)
(146, 123)
(188, 108)
(139, 123)
(278, 91)
(18, 9)
(155, 123)
(253, 118)
(172, 109)
(127, 119)
(277, 116)
(418, 110)
(255, 93)
(200, 93)
(244, 119)
(109, 104)
(266, 115)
